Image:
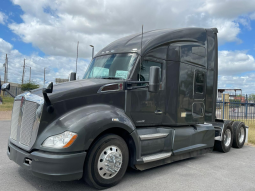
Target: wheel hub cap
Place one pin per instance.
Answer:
(241, 135)
(109, 162)
(227, 137)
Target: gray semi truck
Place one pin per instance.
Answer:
(145, 100)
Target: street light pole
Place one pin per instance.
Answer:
(92, 51)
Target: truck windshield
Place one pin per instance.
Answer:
(113, 66)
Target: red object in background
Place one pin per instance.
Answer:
(242, 99)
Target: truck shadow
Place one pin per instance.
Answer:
(131, 175)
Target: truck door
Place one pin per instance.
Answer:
(147, 108)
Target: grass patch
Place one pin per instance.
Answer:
(251, 134)
(7, 104)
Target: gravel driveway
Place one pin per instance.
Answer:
(215, 171)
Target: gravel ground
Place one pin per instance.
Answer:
(214, 171)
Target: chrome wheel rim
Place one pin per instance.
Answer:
(109, 162)
(241, 135)
(227, 137)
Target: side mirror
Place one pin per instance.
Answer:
(48, 88)
(6, 86)
(154, 81)
(72, 76)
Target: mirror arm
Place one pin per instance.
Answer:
(50, 108)
(10, 93)
(128, 87)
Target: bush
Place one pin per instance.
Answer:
(29, 86)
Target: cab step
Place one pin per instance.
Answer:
(155, 157)
(153, 136)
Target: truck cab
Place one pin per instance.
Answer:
(145, 100)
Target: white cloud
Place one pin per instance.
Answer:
(235, 62)
(230, 9)
(252, 16)
(3, 18)
(244, 82)
(56, 26)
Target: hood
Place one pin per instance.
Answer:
(75, 88)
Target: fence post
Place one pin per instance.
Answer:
(246, 106)
(223, 105)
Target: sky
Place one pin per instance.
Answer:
(45, 33)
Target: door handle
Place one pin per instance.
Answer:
(158, 112)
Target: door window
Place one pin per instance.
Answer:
(144, 74)
(199, 84)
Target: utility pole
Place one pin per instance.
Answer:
(77, 55)
(6, 70)
(23, 71)
(44, 77)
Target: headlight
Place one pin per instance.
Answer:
(62, 140)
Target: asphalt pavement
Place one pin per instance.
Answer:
(214, 171)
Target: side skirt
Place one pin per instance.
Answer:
(172, 158)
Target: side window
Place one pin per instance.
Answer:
(194, 54)
(144, 73)
(199, 84)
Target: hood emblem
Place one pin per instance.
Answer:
(22, 101)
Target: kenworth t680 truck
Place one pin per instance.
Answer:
(145, 100)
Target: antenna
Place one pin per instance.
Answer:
(141, 54)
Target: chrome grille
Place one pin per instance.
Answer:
(15, 120)
(27, 123)
(27, 110)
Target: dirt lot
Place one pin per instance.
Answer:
(5, 115)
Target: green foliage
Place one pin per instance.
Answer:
(251, 97)
(7, 104)
(29, 86)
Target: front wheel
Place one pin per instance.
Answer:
(106, 162)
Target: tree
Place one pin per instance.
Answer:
(29, 86)
(251, 97)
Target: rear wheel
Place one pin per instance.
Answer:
(106, 162)
(239, 132)
(227, 139)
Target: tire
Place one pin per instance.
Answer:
(226, 144)
(108, 147)
(239, 132)
(228, 122)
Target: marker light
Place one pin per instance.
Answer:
(59, 141)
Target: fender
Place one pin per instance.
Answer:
(88, 122)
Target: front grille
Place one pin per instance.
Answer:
(15, 120)
(27, 123)
(26, 114)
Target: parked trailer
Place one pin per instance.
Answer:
(138, 106)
